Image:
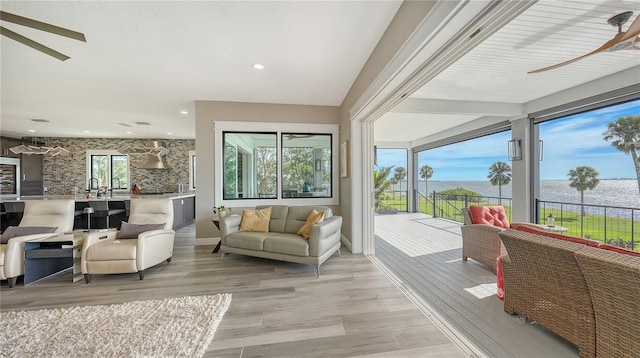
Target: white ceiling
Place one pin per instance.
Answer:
(547, 33)
(147, 61)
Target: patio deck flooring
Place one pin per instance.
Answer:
(425, 253)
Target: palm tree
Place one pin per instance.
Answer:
(381, 183)
(426, 172)
(399, 175)
(583, 178)
(499, 174)
(625, 133)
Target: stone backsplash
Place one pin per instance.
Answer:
(61, 174)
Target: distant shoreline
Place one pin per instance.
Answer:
(479, 180)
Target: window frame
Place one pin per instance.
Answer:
(278, 129)
(109, 153)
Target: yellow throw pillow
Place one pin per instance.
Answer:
(313, 218)
(255, 220)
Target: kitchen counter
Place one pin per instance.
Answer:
(115, 197)
(183, 204)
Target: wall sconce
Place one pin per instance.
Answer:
(515, 149)
(318, 165)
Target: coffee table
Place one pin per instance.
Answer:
(54, 254)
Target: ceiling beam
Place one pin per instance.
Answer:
(443, 106)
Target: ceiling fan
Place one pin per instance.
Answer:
(38, 25)
(627, 40)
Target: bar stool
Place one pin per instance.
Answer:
(79, 221)
(102, 212)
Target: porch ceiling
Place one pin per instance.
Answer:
(491, 81)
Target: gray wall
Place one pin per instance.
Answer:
(209, 111)
(61, 174)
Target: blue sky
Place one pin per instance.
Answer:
(568, 142)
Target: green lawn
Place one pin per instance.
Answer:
(591, 226)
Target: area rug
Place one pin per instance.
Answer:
(173, 327)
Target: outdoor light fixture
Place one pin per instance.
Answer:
(318, 165)
(375, 155)
(515, 149)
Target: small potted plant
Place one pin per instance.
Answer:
(222, 211)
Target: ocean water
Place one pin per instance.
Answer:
(609, 192)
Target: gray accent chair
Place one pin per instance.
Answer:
(282, 241)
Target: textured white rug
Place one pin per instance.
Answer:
(173, 327)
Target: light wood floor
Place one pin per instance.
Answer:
(278, 309)
(425, 253)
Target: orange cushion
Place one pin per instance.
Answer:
(527, 227)
(500, 279)
(489, 215)
(621, 250)
(540, 231)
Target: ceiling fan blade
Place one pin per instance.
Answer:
(607, 45)
(633, 30)
(24, 21)
(34, 45)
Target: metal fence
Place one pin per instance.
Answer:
(615, 225)
(392, 200)
(449, 206)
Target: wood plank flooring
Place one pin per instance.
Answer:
(278, 309)
(425, 254)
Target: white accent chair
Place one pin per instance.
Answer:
(102, 253)
(51, 213)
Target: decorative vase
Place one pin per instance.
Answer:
(222, 213)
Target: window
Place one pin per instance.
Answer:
(270, 164)
(306, 165)
(107, 169)
(250, 165)
(390, 180)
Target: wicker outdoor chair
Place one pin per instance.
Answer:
(481, 242)
(614, 285)
(542, 281)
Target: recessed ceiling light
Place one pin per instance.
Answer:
(258, 66)
(184, 112)
(31, 130)
(129, 132)
(169, 133)
(86, 132)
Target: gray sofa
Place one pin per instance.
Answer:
(282, 241)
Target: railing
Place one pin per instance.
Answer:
(392, 199)
(449, 206)
(614, 225)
